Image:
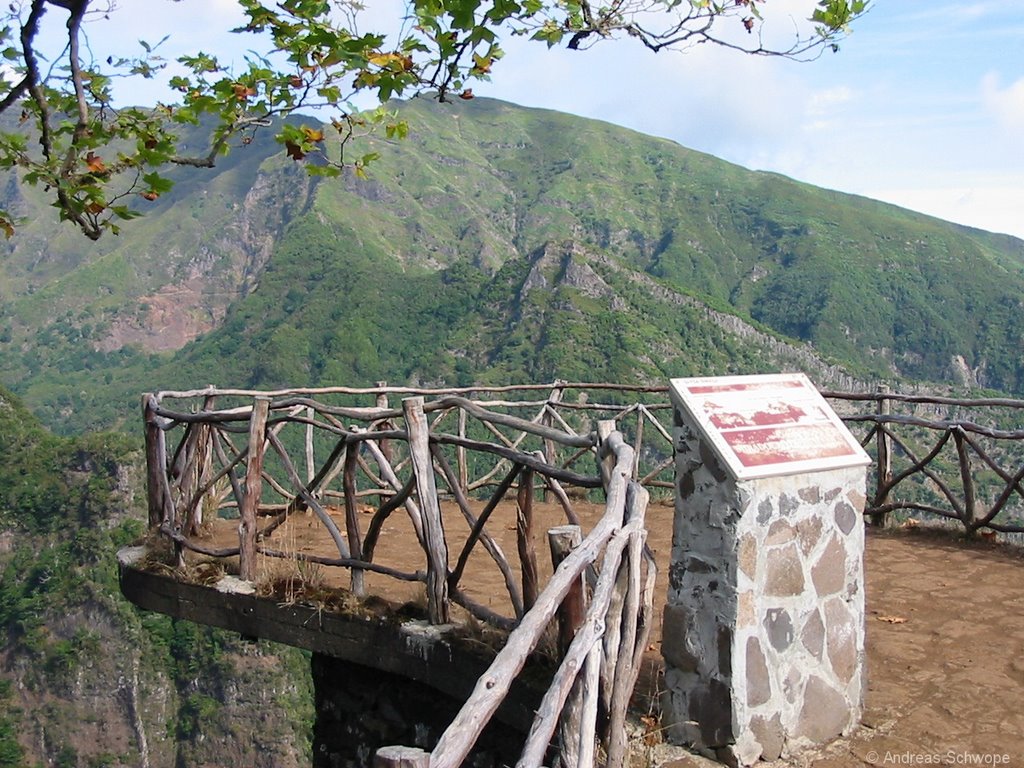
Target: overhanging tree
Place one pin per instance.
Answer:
(100, 161)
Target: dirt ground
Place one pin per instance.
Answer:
(945, 631)
(945, 686)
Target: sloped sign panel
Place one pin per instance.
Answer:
(768, 425)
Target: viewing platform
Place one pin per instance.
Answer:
(328, 567)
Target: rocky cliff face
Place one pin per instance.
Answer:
(86, 679)
(98, 691)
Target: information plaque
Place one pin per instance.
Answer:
(769, 425)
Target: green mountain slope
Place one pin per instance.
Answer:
(499, 243)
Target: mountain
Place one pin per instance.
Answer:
(497, 243)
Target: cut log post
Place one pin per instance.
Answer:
(562, 540)
(433, 531)
(884, 475)
(253, 489)
(401, 757)
(524, 538)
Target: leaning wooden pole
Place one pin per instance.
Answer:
(550, 446)
(430, 508)
(253, 489)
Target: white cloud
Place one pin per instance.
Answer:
(1005, 104)
(825, 102)
(986, 204)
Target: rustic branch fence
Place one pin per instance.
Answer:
(267, 456)
(933, 455)
(218, 451)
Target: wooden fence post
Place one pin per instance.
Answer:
(562, 540)
(355, 545)
(430, 508)
(154, 465)
(884, 474)
(524, 538)
(382, 402)
(970, 502)
(253, 488)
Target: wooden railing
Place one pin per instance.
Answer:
(232, 452)
(264, 457)
(952, 458)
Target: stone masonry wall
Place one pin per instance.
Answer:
(763, 632)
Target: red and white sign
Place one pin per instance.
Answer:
(761, 426)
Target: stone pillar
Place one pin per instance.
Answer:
(763, 633)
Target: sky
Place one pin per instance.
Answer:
(923, 106)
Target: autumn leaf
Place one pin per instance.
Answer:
(150, 195)
(312, 134)
(95, 208)
(481, 64)
(243, 92)
(294, 150)
(95, 163)
(466, 94)
(388, 60)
